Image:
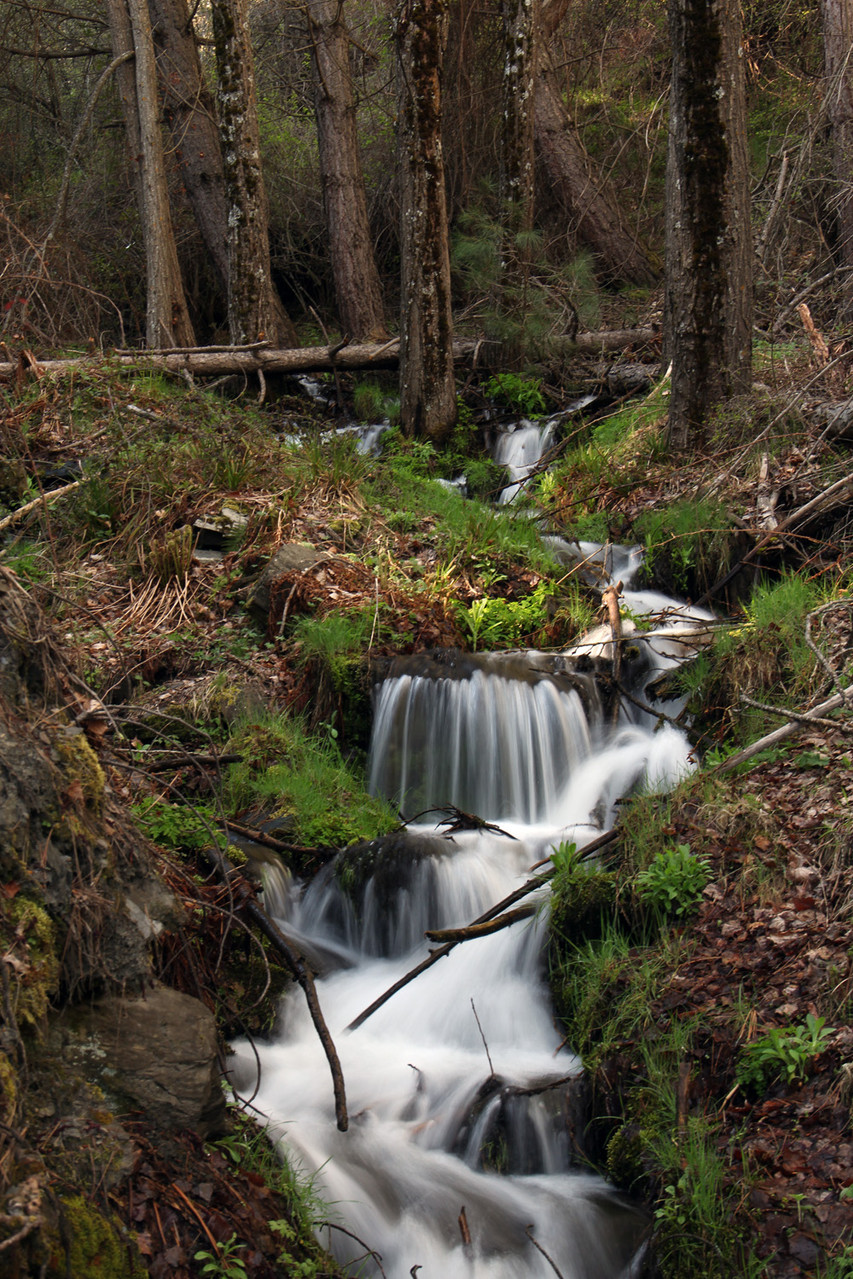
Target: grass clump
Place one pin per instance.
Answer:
(338, 641)
(306, 780)
(765, 652)
(688, 545)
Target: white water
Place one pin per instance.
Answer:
(435, 1110)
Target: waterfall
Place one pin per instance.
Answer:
(461, 1094)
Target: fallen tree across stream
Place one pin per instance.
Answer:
(217, 361)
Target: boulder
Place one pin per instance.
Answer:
(158, 1052)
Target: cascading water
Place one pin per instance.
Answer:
(460, 1092)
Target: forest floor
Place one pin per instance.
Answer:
(153, 627)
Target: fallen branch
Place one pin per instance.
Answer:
(299, 971)
(269, 841)
(831, 497)
(480, 930)
(42, 498)
(526, 888)
(785, 730)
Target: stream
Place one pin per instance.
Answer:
(463, 1099)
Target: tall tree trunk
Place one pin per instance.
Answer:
(427, 387)
(254, 307)
(837, 22)
(708, 311)
(519, 18)
(357, 288)
(167, 321)
(191, 117)
(590, 207)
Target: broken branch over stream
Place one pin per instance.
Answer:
(301, 973)
(471, 931)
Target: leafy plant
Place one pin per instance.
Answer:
(518, 392)
(178, 826)
(224, 1264)
(783, 1053)
(501, 622)
(673, 883)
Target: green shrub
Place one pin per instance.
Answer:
(688, 545)
(673, 883)
(523, 394)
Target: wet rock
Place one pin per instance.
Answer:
(158, 1052)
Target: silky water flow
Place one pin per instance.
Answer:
(461, 1094)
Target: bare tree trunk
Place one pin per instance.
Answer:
(589, 206)
(254, 307)
(167, 320)
(357, 288)
(427, 387)
(191, 117)
(519, 19)
(837, 21)
(708, 318)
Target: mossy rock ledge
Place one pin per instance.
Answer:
(88, 1036)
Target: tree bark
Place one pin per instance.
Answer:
(427, 387)
(590, 208)
(357, 287)
(519, 18)
(254, 309)
(708, 308)
(167, 319)
(191, 118)
(837, 23)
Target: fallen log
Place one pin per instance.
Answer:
(835, 495)
(481, 930)
(217, 361)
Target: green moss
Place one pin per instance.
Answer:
(97, 1249)
(80, 764)
(36, 971)
(624, 1158)
(8, 1089)
(581, 898)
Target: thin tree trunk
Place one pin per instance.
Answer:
(519, 19)
(708, 316)
(254, 308)
(427, 387)
(591, 209)
(357, 287)
(167, 319)
(837, 21)
(191, 118)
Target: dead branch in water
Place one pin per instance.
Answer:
(298, 969)
(528, 887)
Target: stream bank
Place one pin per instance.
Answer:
(409, 574)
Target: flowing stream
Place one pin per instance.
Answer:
(463, 1100)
